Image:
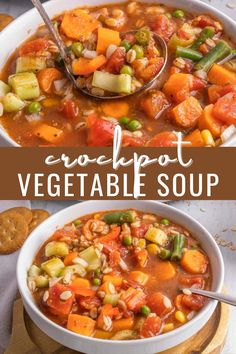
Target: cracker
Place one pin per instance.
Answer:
(39, 215)
(13, 232)
(24, 212)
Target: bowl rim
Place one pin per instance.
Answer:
(210, 306)
(204, 6)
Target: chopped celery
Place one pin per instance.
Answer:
(28, 64)
(111, 299)
(34, 271)
(112, 83)
(53, 267)
(41, 281)
(56, 248)
(91, 257)
(157, 236)
(4, 88)
(12, 103)
(25, 85)
(74, 269)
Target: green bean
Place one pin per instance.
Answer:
(208, 32)
(119, 217)
(221, 50)
(178, 246)
(188, 53)
(143, 36)
(165, 254)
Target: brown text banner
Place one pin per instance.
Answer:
(106, 173)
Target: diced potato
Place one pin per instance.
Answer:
(12, 103)
(74, 269)
(56, 248)
(112, 83)
(34, 271)
(4, 88)
(28, 64)
(157, 236)
(91, 257)
(53, 267)
(25, 85)
(41, 281)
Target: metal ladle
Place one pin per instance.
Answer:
(67, 60)
(213, 295)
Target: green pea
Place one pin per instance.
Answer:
(127, 240)
(124, 120)
(77, 49)
(97, 272)
(134, 125)
(96, 281)
(34, 107)
(165, 222)
(145, 310)
(77, 222)
(143, 36)
(139, 51)
(178, 14)
(126, 69)
(126, 44)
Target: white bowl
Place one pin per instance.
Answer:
(99, 346)
(24, 26)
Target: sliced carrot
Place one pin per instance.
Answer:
(115, 109)
(81, 324)
(82, 287)
(48, 133)
(194, 139)
(194, 262)
(159, 303)
(219, 75)
(124, 323)
(68, 260)
(83, 66)
(46, 77)
(51, 102)
(106, 287)
(187, 113)
(34, 46)
(115, 280)
(106, 37)
(100, 334)
(107, 310)
(214, 93)
(142, 257)
(165, 271)
(138, 277)
(79, 25)
(208, 121)
(113, 235)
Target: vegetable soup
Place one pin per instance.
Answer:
(117, 275)
(196, 95)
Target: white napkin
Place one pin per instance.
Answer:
(8, 285)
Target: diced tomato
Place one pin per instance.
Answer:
(193, 302)
(163, 26)
(217, 91)
(225, 109)
(34, 46)
(64, 234)
(153, 68)
(58, 306)
(205, 21)
(154, 103)
(129, 139)
(134, 299)
(197, 282)
(140, 231)
(198, 84)
(89, 302)
(100, 131)
(114, 259)
(116, 61)
(151, 327)
(160, 304)
(182, 34)
(70, 109)
(179, 303)
(164, 139)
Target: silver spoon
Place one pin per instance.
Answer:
(67, 60)
(213, 295)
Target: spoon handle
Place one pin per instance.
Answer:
(216, 296)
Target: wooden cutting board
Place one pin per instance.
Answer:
(27, 338)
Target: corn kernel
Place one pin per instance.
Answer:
(152, 248)
(97, 216)
(50, 102)
(142, 243)
(207, 137)
(180, 316)
(168, 327)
